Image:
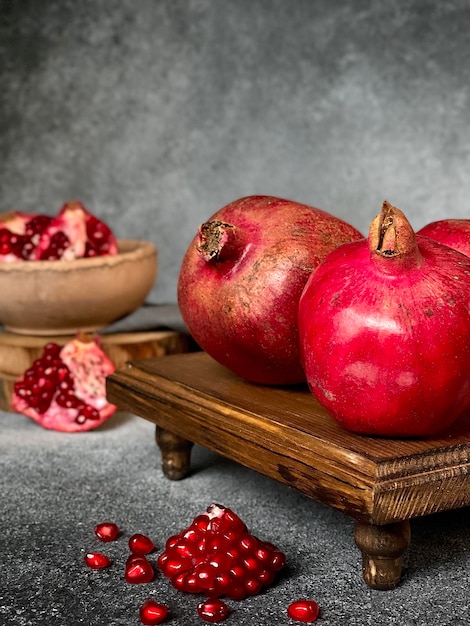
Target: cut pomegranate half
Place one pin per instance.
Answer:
(65, 388)
(20, 233)
(75, 233)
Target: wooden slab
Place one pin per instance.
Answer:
(285, 434)
(17, 352)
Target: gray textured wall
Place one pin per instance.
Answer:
(157, 113)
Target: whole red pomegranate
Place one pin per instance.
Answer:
(241, 279)
(454, 233)
(385, 331)
(65, 388)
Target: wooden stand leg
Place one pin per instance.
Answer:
(382, 550)
(176, 453)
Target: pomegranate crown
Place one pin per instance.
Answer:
(391, 235)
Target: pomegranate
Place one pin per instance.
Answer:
(217, 556)
(20, 233)
(305, 611)
(241, 279)
(454, 233)
(75, 233)
(385, 331)
(65, 388)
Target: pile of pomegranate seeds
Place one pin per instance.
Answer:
(215, 555)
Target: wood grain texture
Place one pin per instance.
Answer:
(285, 434)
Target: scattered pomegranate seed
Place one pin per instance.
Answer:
(152, 612)
(97, 560)
(107, 531)
(303, 611)
(216, 555)
(138, 570)
(212, 610)
(140, 544)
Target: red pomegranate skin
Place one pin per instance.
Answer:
(241, 304)
(385, 340)
(452, 232)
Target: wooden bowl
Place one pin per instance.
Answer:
(64, 297)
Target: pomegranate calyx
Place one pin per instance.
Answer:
(217, 241)
(392, 236)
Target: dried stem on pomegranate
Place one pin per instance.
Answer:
(217, 241)
(391, 236)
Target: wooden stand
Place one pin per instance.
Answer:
(285, 434)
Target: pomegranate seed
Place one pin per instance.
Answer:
(200, 522)
(97, 560)
(212, 610)
(140, 544)
(253, 586)
(303, 611)
(249, 543)
(266, 576)
(138, 570)
(107, 531)
(222, 583)
(278, 560)
(152, 612)
(237, 592)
